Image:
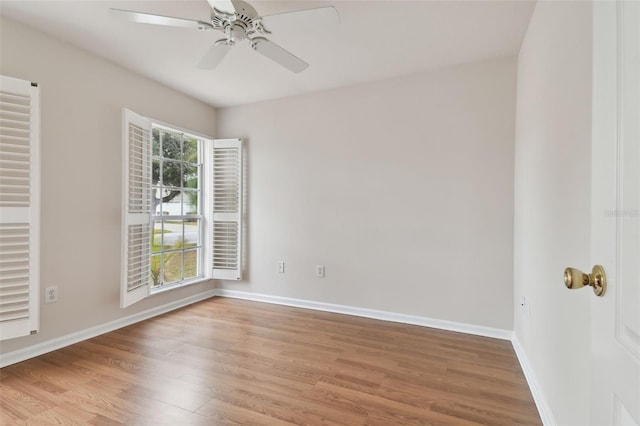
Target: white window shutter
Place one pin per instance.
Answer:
(19, 208)
(227, 195)
(136, 204)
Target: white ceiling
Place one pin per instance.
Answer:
(375, 40)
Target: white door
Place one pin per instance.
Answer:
(615, 209)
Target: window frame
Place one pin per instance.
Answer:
(201, 217)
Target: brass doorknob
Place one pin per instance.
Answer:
(574, 278)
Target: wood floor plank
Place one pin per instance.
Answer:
(74, 413)
(23, 399)
(234, 362)
(297, 406)
(53, 417)
(180, 397)
(228, 413)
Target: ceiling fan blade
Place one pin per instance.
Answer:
(226, 6)
(214, 56)
(303, 20)
(279, 55)
(147, 18)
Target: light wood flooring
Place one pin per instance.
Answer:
(226, 361)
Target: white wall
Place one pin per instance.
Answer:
(402, 188)
(82, 98)
(552, 203)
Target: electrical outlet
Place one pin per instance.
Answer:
(320, 271)
(51, 294)
(281, 267)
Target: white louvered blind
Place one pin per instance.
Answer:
(136, 255)
(226, 184)
(19, 208)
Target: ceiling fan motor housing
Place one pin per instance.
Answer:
(235, 33)
(237, 26)
(244, 13)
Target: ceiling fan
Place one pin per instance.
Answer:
(239, 21)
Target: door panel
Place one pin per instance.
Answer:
(628, 305)
(616, 213)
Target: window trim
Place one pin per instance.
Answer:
(207, 254)
(202, 276)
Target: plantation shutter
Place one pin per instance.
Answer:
(19, 208)
(136, 215)
(227, 196)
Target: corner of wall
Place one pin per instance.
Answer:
(546, 415)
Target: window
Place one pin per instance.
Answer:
(19, 207)
(176, 196)
(182, 208)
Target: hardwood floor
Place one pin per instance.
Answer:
(226, 361)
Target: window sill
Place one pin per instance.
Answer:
(180, 284)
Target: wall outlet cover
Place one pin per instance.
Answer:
(51, 294)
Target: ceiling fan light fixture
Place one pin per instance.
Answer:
(235, 33)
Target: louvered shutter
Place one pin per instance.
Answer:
(226, 184)
(136, 215)
(19, 208)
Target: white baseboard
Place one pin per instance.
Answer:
(544, 409)
(477, 330)
(69, 339)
